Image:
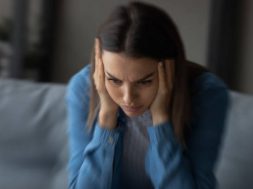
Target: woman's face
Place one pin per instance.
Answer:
(132, 83)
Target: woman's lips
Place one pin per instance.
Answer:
(132, 109)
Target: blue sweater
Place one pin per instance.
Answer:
(95, 155)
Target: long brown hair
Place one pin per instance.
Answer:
(143, 30)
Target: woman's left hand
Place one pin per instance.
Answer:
(160, 106)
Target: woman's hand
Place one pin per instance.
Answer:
(160, 106)
(108, 108)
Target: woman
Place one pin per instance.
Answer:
(140, 115)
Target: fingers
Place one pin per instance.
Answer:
(101, 72)
(97, 49)
(170, 70)
(166, 72)
(98, 75)
(162, 76)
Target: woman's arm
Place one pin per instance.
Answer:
(169, 166)
(91, 153)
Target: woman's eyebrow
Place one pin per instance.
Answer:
(141, 79)
(113, 77)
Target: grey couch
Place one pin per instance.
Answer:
(33, 139)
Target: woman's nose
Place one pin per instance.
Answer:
(129, 95)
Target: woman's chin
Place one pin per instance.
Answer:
(133, 113)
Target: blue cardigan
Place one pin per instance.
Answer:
(95, 155)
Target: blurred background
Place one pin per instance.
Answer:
(44, 42)
(50, 40)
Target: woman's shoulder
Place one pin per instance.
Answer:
(209, 91)
(82, 75)
(79, 84)
(207, 81)
(203, 80)
(81, 78)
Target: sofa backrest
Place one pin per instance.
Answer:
(33, 142)
(235, 166)
(33, 139)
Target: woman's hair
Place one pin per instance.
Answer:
(142, 30)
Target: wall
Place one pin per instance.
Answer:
(6, 11)
(246, 52)
(5, 8)
(79, 20)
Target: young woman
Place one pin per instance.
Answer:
(140, 114)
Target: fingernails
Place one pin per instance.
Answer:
(160, 64)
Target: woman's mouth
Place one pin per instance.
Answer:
(132, 109)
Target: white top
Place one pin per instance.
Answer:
(135, 145)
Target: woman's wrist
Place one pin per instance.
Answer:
(160, 118)
(107, 119)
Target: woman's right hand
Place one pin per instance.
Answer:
(108, 108)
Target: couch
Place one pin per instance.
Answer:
(33, 138)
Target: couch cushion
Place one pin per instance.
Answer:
(235, 168)
(32, 133)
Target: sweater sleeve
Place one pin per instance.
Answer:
(91, 152)
(171, 167)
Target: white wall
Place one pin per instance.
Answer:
(79, 20)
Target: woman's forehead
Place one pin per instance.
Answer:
(123, 67)
(119, 59)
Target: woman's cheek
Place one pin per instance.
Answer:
(108, 88)
(106, 84)
(111, 91)
(152, 93)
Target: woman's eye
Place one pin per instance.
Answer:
(115, 81)
(145, 82)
